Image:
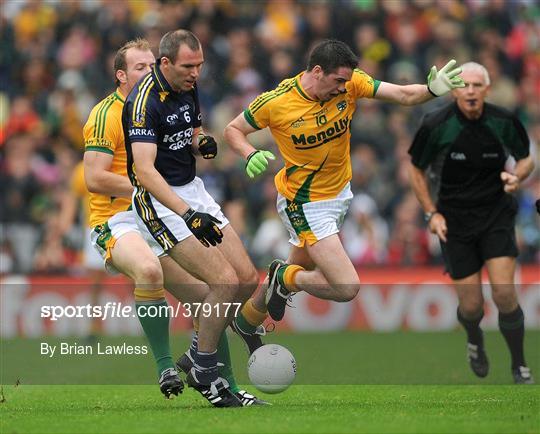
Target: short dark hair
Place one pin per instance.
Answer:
(120, 63)
(330, 55)
(171, 42)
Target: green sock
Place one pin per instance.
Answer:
(244, 325)
(281, 275)
(156, 328)
(224, 356)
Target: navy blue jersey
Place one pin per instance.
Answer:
(154, 113)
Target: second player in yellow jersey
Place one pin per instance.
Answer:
(309, 117)
(103, 133)
(312, 136)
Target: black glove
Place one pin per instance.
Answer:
(204, 227)
(538, 206)
(208, 147)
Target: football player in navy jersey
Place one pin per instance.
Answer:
(177, 216)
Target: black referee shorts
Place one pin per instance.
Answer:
(475, 236)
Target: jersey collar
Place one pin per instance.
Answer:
(300, 89)
(163, 84)
(118, 94)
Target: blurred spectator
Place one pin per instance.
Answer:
(21, 196)
(409, 240)
(55, 64)
(271, 239)
(22, 118)
(364, 232)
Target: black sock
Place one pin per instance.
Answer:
(206, 368)
(472, 327)
(512, 328)
(194, 346)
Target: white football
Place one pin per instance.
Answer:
(271, 368)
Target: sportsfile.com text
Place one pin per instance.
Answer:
(120, 310)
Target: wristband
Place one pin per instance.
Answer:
(429, 215)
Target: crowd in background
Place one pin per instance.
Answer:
(56, 63)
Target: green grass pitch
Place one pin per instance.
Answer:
(347, 382)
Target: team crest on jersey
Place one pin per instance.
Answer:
(296, 217)
(342, 105)
(162, 96)
(139, 119)
(297, 220)
(298, 122)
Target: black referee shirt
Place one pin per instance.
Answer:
(464, 158)
(155, 113)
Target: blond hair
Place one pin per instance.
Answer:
(120, 63)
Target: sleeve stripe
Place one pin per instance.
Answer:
(259, 102)
(97, 123)
(141, 90)
(140, 100)
(96, 117)
(273, 94)
(249, 118)
(99, 128)
(147, 92)
(376, 84)
(99, 149)
(104, 116)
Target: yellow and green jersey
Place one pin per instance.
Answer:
(312, 136)
(103, 133)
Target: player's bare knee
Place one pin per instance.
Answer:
(228, 277)
(149, 272)
(346, 293)
(248, 281)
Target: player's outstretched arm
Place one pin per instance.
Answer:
(236, 136)
(438, 83)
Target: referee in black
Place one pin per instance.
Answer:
(461, 150)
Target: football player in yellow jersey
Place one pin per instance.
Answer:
(309, 118)
(75, 201)
(115, 233)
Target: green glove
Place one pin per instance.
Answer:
(257, 162)
(443, 81)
